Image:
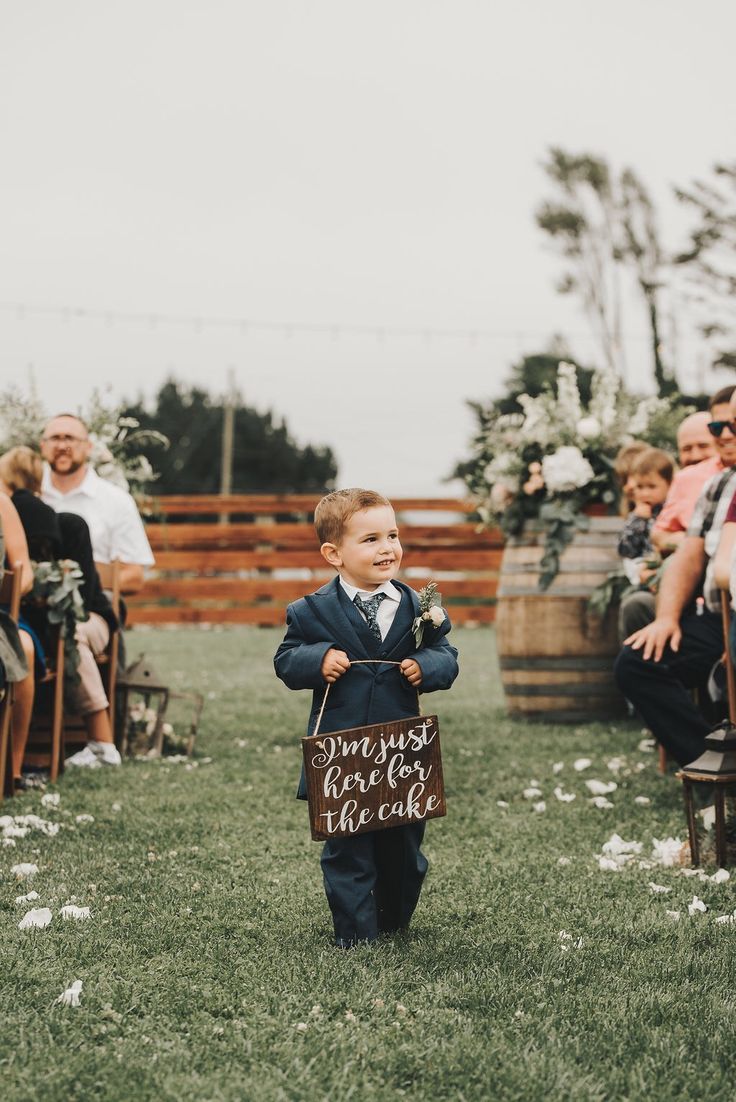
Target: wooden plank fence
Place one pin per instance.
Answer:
(242, 558)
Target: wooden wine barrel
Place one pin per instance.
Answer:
(556, 657)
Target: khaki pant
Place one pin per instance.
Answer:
(92, 637)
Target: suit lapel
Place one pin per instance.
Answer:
(327, 606)
(404, 618)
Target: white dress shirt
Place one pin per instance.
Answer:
(386, 610)
(115, 526)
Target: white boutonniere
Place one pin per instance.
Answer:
(430, 611)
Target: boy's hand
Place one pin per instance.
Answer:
(412, 671)
(334, 664)
(641, 509)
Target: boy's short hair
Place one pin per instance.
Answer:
(335, 510)
(654, 461)
(22, 469)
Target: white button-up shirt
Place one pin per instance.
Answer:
(386, 610)
(115, 525)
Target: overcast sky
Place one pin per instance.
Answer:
(328, 163)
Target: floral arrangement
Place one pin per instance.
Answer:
(115, 439)
(56, 584)
(430, 611)
(555, 458)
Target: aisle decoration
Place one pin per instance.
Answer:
(555, 459)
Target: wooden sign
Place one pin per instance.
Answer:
(371, 778)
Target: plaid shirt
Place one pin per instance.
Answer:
(707, 523)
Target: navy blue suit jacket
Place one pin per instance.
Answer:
(365, 694)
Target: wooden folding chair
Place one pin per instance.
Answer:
(10, 596)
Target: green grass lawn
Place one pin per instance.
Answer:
(207, 964)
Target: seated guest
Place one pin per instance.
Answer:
(671, 525)
(694, 441)
(663, 661)
(623, 466)
(651, 477)
(66, 536)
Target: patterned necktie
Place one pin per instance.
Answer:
(369, 608)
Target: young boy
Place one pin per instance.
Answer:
(651, 474)
(373, 880)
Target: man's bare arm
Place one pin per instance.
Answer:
(680, 579)
(131, 578)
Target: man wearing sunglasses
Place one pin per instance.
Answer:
(669, 529)
(662, 662)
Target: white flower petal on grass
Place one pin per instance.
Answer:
(84, 819)
(697, 906)
(721, 876)
(615, 764)
(642, 801)
(725, 920)
(658, 888)
(301, 1027)
(51, 799)
(77, 913)
(564, 861)
(558, 766)
(531, 793)
(646, 746)
(607, 864)
(40, 917)
(16, 831)
(8, 841)
(616, 846)
(600, 802)
(540, 806)
(24, 870)
(116, 807)
(666, 851)
(601, 788)
(674, 915)
(70, 997)
(502, 804)
(581, 763)
(27, 898)
(564, 797)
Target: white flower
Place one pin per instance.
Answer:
(601, 788)
(301, 1027)
(51, 799)
(725, 920)
(646, 746)
(600, 802)
(564, 797)
(531, 793)
(674, 915)
(502, 804)
(40, 917)
(642, 801)
(588, 428)
(607, 864)
(568, 395)
(658, 889)
(558, 766)
(696, 906)
(615, 764)
(84, 819)
(566, 469)
(70, 997)
(721, 876)
(436, 615)
(666, 851)
(77, 913)
(563, 861)
(540, 806)
(581, 763)
(24, 870)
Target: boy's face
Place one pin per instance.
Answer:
(650, 489)
(369, 552)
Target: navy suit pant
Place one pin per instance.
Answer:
(660, 691)
(373, 881)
